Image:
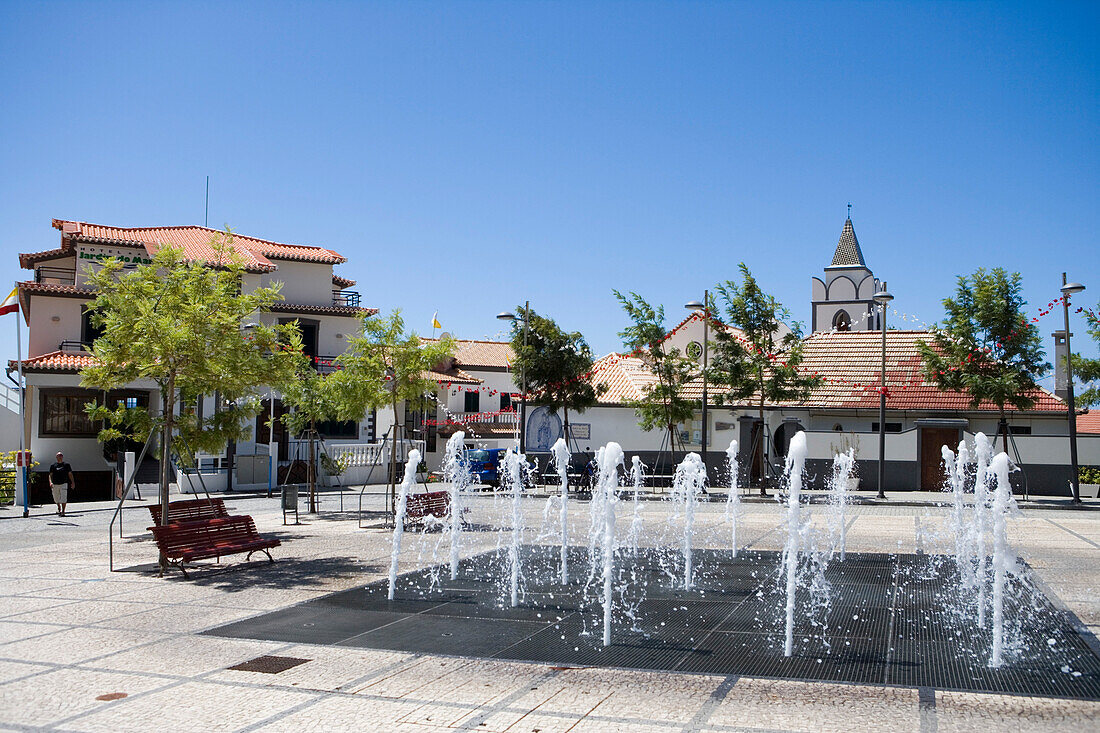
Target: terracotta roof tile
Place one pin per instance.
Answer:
(1089, 422)
(850, 364)
(55, 361)
(342, 282)
(28, 260)
(454, 375)
(474, 354)
(73, 291)
(322, 310)
(195, 243)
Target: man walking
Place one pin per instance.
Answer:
(61, 480)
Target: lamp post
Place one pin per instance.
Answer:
(1069, 289)
(508, 316)
(882, 297)
(697, 307)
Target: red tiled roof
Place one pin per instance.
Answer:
(55, 361)
(27, 261)
(474, 354)
(193, 240)
(1089, 422)
(72, 291)
(849, 362)
(322, 310)
(342, 282)
(454, 375)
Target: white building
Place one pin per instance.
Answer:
(53, 305)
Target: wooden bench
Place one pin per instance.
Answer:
(191, 510)
(434, 503)
(188, 541)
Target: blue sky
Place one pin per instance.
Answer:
(468, 156)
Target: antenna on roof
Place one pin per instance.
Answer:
(206, 214)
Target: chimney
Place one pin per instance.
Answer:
(1061, 386)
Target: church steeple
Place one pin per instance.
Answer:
(848, 253)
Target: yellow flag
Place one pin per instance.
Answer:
(435, 320)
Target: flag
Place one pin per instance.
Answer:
(435, 320)
(11, 303)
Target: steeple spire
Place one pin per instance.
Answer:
(848, 253)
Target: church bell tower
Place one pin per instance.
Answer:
(843, 301)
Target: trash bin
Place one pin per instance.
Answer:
(290, 501)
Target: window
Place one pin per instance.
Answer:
(339, 429)
(63, 414)
(473, 402)
(891, 427)
(1020, 429)
(842, 321)
(88, 332)
(505, 400)
(838, 428)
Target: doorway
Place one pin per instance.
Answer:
(932, 441)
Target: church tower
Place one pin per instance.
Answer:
(843, 300)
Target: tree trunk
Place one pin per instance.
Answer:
(168, 402)
(760, 453)
(1004, 435)
(312, 466)
(391, 487)
(565, 411)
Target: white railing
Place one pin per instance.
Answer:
(483, 418)
(371, 454)
(9, 398)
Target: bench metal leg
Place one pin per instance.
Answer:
(269, 557)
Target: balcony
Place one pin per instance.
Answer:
(55, 276)
(346, 298)
(75, 347)
(324, 364)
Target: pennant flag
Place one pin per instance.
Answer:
(435, 320)
(11, 303)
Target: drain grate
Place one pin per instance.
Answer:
(268, 664)
(892, 621)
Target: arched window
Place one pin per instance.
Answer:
(842, 321)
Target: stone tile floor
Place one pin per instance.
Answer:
(83, 648)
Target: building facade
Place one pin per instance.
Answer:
(53, 303)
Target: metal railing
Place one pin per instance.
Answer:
(75, 346)
(503, 417)
(55, 275)
(346, 298)
(325, 364)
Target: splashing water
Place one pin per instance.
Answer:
(983, 451)
(795, 465)
(838, 497)
(407, 483)
(733, 501)
(604, 500)
(560, 456)
(637, 478)
(457, 473)
(513, 470)
(688, 481)
(1004, 558)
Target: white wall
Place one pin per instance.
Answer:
(47, 334)
(309, 283)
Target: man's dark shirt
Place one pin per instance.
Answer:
(59, 473)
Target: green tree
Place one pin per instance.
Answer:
(662, 404)
(181, 325)
(986, 346)
(1088, 370)
(311, 398)
(556, 365)
(383, 367)
(761, 362)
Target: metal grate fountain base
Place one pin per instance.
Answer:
(893, 619)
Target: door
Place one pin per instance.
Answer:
(932, 441)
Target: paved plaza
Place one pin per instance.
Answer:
(83, 648)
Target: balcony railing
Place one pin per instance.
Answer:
(77, 346)
(346, 298)
(503, 417)
(325, 364)
(55, 276)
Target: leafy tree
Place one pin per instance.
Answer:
(555, 364)
(384, 366)
(760, 364)
(180, 325)
(663, 404)
(1088, 370)
(986, 347)
(311, 398)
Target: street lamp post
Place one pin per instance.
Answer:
(883, 297)
(703, 307)
(1069, 289)
(507, 316)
